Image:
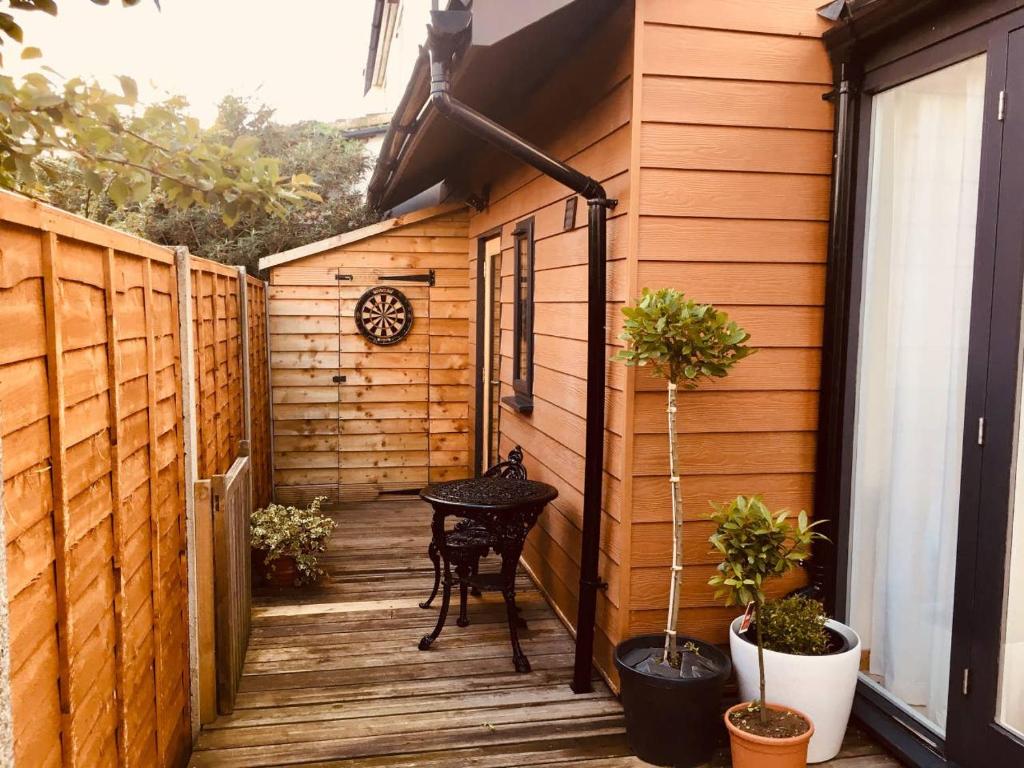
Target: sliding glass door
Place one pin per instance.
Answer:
(915, 330)
(935, 542)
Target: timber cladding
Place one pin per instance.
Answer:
(706, 122)
(581, 115)
(733, 151)
(399, 419)
(94, 483)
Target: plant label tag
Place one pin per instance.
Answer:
(748, 616)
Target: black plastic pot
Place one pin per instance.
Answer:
(672, 722)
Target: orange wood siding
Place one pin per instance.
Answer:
(582, 116)
(733, 155)
(401, 418)
(93, 472)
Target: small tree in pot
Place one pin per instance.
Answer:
(756, 545)
(671, 685)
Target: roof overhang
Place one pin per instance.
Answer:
(512, 49)
(347, 238)
(863, 24)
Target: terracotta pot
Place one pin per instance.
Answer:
(282, 572)
(751, 751)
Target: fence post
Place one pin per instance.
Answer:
(6, 716)
(186, 339)
(243, 313)
(270, 389)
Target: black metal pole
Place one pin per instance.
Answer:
(593, 470)
(442, 39)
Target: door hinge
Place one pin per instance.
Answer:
(429, 278)
(1001, 112)
(981, 431)
(966, 686)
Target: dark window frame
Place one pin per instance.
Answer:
(892, 55)
(522, 319)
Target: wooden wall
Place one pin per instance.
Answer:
(90, 418)
(93, 469)
(401, 418)
(582, 116)
(733, 153)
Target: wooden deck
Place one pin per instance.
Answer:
(333, 676)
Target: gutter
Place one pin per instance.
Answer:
(446, 34)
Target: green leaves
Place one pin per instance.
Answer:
(681, 340)
(125, 149)
(756, 544)
(301, 533)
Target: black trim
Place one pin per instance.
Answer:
(911, 40)
(445, 31)
(522, 316)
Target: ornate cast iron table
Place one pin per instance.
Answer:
(508, 509)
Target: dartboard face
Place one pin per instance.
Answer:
(384, 315)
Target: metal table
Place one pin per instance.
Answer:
(508, 509)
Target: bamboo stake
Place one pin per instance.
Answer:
(675, 586)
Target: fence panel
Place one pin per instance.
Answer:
(218, 364)
(91, 422)
(259, 371)
(91, 425)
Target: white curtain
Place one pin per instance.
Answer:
(911, 378)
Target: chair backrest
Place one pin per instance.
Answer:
(511, 468)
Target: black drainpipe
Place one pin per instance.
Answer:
(446, 30)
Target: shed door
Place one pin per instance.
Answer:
(383, 440)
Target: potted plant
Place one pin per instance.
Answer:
(286, 541)
(757, 544)
(810, 663)
(672, 684)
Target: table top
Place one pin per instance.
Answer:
(493, 493)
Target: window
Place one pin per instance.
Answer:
(522, 322)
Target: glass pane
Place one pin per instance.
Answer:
(523, 297)
(911, 380)
(1010, 711)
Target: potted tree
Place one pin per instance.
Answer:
(810, 663)
(757, 544)
(672, 684)
(286, 541)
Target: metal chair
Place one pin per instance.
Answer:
(468, 542)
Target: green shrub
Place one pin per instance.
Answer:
(794, 625)
(282, 531)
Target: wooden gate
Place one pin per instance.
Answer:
(223, 506)
(383, 402)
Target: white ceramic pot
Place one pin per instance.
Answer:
(820, 686)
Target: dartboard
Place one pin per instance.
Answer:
(384, 315)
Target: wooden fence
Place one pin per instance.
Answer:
(94, 482)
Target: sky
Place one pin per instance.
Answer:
(305, 58)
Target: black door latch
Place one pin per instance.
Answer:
(339, 379)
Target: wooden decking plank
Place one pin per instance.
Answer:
(455, 738)
(333, 676)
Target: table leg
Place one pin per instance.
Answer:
(437, 526)
(435, 558)
(509, 566)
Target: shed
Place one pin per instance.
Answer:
(369, 358)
